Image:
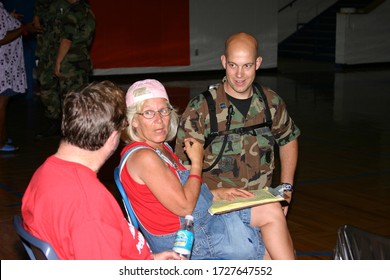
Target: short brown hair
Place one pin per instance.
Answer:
(92, 113)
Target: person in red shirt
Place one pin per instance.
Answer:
(65, 204)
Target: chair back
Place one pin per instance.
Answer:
(357, 244)
(131, 217)
(36, 248)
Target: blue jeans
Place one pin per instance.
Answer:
(224, 236)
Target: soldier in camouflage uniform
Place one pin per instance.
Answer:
(47, 17)
(73, 64)
(67, 67)
(247, 162)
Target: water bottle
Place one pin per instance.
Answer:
(185, 238)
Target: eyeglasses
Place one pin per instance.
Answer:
(149, 114)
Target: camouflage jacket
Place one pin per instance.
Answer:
(78, 25)
(248, 160)
(60, 20)
(50, 13)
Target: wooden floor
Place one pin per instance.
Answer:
(343, 175)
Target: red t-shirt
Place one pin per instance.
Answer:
(155, 217)
(66, 205)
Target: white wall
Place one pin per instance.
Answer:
(359, 39)
(364, 38)
(211, 22)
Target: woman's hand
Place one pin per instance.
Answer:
(225, 193)
(16, 15)
(194, 151)
(167, 255)
(37, 24)
(31, 28)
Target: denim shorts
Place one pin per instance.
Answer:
(224, 236)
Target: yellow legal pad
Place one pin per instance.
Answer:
(262, 196)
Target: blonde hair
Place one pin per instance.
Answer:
(130, 133)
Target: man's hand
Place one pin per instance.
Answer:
(287, 197)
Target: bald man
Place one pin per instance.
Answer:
(239, 146)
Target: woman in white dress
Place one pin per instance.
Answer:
(12, 71)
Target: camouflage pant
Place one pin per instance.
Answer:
(53, 89)
(50, 88)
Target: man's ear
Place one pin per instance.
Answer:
(113, 138)
(259, 59)
(223, 61)
(111, 144)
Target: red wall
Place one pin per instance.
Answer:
(140, 33)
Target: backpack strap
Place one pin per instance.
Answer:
(244, 130)
(213, 118)
(268, 117)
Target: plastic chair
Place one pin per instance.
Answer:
(357, 244)
(36, 248)
(131, 217)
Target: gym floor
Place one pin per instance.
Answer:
(343, 172)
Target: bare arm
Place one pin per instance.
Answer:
(16, 33)
(11, 36)
(288, 160)
(62, 51)
(164, 184)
